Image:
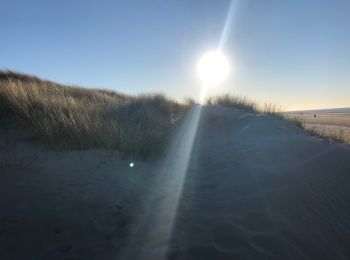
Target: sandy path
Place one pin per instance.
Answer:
(255, 188)
(258, 188)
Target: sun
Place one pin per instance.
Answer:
(213, 68)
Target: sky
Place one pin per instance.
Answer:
(294, 53)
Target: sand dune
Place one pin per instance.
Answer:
(253, 187)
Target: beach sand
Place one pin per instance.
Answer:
(328, 124)
(232, 185)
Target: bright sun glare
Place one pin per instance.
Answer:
(213, 68)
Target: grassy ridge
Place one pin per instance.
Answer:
(67, 117)
(247, 104)
(72, 117)
(244, 103)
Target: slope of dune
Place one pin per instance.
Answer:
(256, 187)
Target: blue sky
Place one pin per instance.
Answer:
(295, 53)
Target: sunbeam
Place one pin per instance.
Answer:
(228, 23)
(152, 234)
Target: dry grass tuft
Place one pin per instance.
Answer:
(244, 103)
(190, 101)
(238, 102)
(336, 135)
(67, 117)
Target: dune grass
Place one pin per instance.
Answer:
(249, 105)
(239, 102)
(67, 117)
(336, 135)
(244, 103)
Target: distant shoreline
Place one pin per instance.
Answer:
(344, 110)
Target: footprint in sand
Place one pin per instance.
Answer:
(58, 230)
(118, 207)
(65, 248)
(110, 236)
(122, 221)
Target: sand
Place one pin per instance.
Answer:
(328, 123)
(250, 187)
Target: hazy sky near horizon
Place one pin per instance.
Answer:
(295, 53)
